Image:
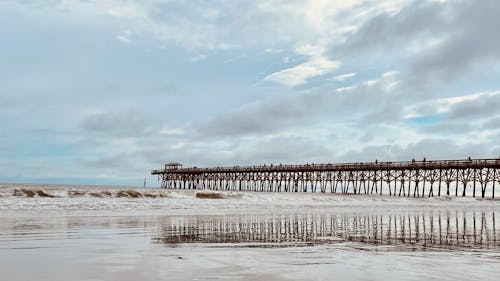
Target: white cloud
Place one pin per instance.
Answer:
(370, 83)
(273, 51)
(459, 99)
(123, 39)
(172, 132)
(390, 81)
(310, 50)
(442, 105)
(126, 10)
(344, 89)
(391, 85)
(343, 77)
(198, 57)
(299, 74)
(390, 74)
(263, 23)
(181, 144)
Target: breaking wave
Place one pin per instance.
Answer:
(72, 193)
(47, 191)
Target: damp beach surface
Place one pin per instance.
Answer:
(111, 233)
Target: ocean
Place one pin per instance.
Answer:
(58, 232)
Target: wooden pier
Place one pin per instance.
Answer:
(467, 177)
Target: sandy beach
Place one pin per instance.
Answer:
(113, 233)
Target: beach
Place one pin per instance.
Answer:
(125, 233)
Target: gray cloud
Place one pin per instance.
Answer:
(471, 40)
(485, 106)
(435, 43)
(287, 150)
(467, 116)
(432, 149)
(368, 103)
(388, 113)
(117, 124)
(269, 116)
(118, 161)
(384, 31)
(493, 123)
(270, 150)
(451, 127)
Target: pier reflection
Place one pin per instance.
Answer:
(416, 230)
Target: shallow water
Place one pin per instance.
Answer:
(249, 236)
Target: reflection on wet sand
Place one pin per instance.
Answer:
(16, 232)
(419, 230)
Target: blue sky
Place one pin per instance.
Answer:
(101, 92)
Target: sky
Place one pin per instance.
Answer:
(101, 92)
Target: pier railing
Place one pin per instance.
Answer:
(436, 164)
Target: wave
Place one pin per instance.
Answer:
(131, 193)
(31, 193)
(73, 193)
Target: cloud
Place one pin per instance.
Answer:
(396, 30)
(492, 124)
(481, 104)
(125, 37)
(275, 115)
(431, 149)
(344, 77)
(372, 101)
(128, 123)
(198, 57)
(172, 131)
(470, 41)
(273, 51)
(299, 74)
(470, 115)
(202, 26)
(286, 150)
(256, 119)
(435, 42)
(485, 105)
